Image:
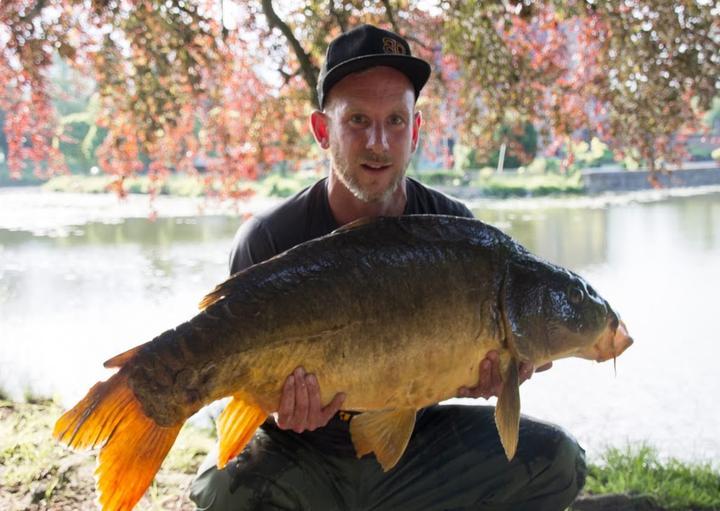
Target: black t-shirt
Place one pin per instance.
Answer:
(307, 216)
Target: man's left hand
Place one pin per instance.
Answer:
(490, 382)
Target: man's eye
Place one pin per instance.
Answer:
(396, 119)
(357, 119)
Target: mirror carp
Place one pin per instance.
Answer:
(396, 312)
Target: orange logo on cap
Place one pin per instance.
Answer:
(390, 45)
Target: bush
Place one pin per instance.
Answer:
(441, 177)
(508, 185)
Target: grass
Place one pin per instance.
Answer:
(517, 183)
(532, 185)
(36, 472)
(674, 485)
(180, 185)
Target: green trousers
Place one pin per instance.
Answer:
(454, 462)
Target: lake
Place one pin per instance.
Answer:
(80, 283)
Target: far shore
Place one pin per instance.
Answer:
(34, 209)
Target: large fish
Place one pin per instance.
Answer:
(397, 313)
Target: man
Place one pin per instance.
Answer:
(304, 460)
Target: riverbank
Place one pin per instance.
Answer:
(36, 473)
(41, 211)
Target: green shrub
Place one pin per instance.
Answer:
(441, 177)
(527, 185)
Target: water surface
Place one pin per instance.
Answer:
(78, 292)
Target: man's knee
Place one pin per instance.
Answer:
(238, 487)
(566, 469)
(570, 460)
(210, 489)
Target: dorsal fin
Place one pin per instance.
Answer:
(355, 224)
(123, 358)
(213, 296)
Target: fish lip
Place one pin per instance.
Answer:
(613, 340)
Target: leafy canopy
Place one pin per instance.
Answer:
(230, 84)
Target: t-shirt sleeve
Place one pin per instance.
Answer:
(463, 210)
(252, 244)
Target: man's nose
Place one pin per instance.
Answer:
(377, 138)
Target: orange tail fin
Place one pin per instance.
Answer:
(133, 445)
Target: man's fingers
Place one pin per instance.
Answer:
(314, 413)
(526, 371)
(496, 385)
(299, 419)
(332, 407)
(544, 367)
(287, 402)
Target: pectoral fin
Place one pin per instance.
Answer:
(507, 411)
(236, 426)
(384, 432)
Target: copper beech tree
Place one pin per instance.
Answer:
(230, 82)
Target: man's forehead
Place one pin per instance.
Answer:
(377, 84)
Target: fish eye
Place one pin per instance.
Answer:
(576, 295)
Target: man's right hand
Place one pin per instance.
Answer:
(300, 407)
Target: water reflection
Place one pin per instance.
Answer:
(571, 238)
(659, 266)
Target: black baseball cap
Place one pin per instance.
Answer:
(368, 46)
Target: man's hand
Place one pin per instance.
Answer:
(300, 407)
(490, 382)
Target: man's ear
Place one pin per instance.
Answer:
(417, 122)
(319, 125)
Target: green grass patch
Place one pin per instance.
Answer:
(531, 182)
(27, 452)
(37, 472)
(532, 185)
(180, 185)
(276, 185)
(673, 484)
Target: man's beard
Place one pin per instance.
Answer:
(342, 166)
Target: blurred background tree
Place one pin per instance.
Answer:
(226, 85)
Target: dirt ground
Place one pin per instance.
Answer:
(36, 473)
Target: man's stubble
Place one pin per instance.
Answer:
(342, 169)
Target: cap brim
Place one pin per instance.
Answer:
(417, 70)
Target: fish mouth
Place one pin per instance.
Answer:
(613, 341)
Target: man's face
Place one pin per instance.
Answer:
(372, 131)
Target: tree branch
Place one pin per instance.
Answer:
(396, 27)
(341, 21)
(309, 71)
